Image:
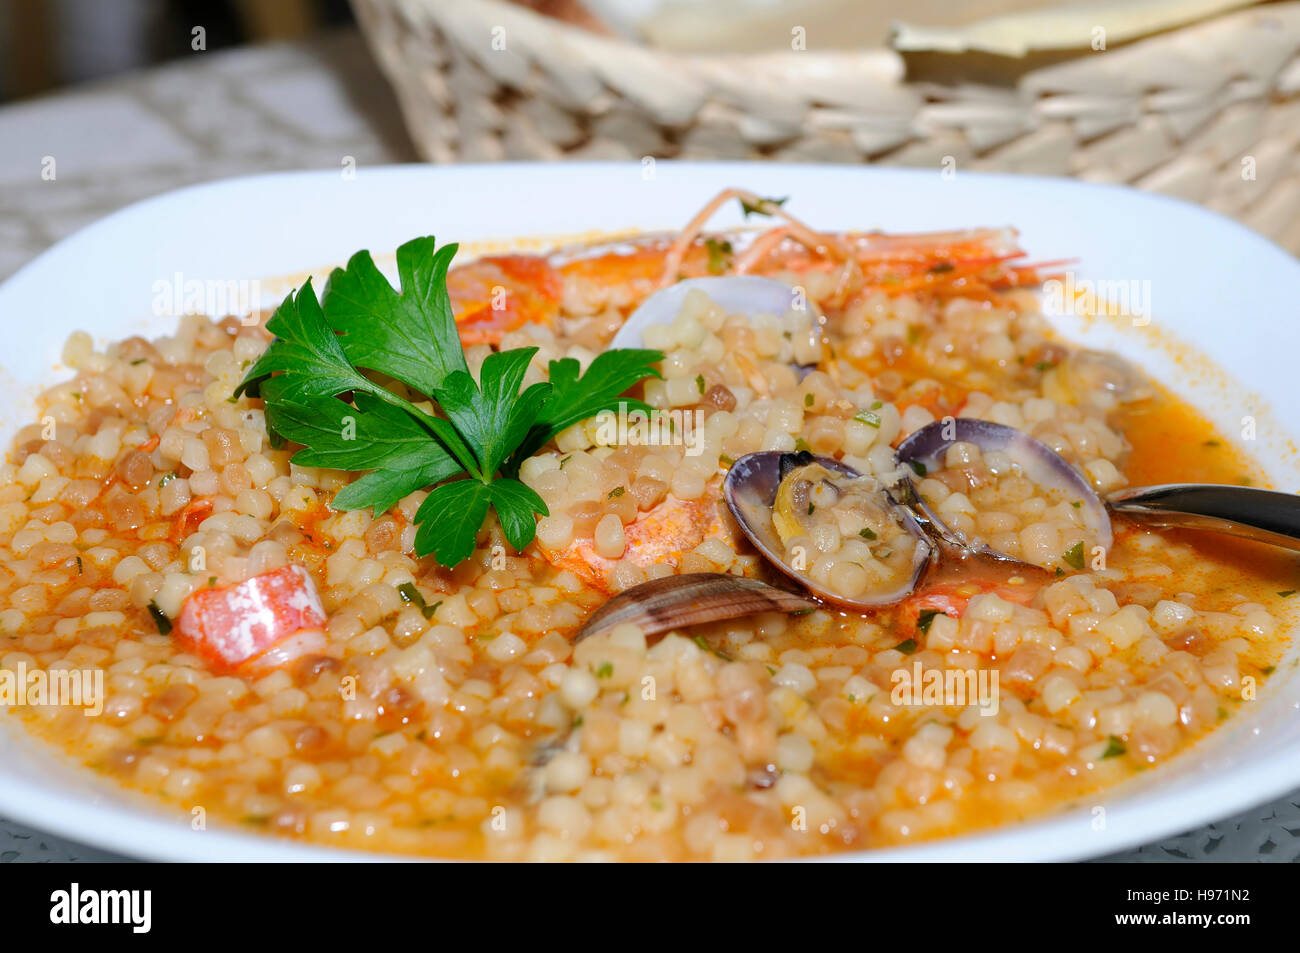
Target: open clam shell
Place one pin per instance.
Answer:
(678, 602)
(750, 490)
(738, 294)
(923, 452)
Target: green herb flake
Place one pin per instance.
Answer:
(605, 670)
(1044, 365)
(705, 647)
(1287, 592)
(160, 618)
(412, 596)
(80, 568)
(870, 418)
(925, 619)
(907, 646)
(867, 533)
(1076, 503)
(809, 400)
(1114, 748)
(1074, 555)
(917, 467)
(763, 206)
(699, 383)
(615, 493)
(877, 404)
(1268, 670)
(802, 445)
(811, 509)
(719, 255)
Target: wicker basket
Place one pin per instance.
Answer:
(1207, 110)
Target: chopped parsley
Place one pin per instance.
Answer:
(917, 467)
(925, 619)
(870, 418)
(1114, 748)
(763, 206)
(867, 533)
(705, 647)
(719, 255)
(907, 646)
(1074, 555)
(411, 595)
(615, 493)
(160, 618)
(605, 670)
(699, 382)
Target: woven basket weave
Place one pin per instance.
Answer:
(1208, 111)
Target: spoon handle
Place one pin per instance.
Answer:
(1264, 515)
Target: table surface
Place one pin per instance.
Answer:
(257, 109)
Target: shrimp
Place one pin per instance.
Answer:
(661, 535)
(257, 625)
(953, 596)
(495, 295)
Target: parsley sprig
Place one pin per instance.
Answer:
(346, 374)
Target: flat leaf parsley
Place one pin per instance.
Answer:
(349, 377)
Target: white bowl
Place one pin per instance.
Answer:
(1214, 288)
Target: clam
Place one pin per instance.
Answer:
(775, 498)
(674, 602)
(924, 452)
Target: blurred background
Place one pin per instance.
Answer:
(45, 44)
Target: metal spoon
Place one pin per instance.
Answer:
(1266, 516)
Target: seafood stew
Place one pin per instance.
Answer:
(392, 696)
